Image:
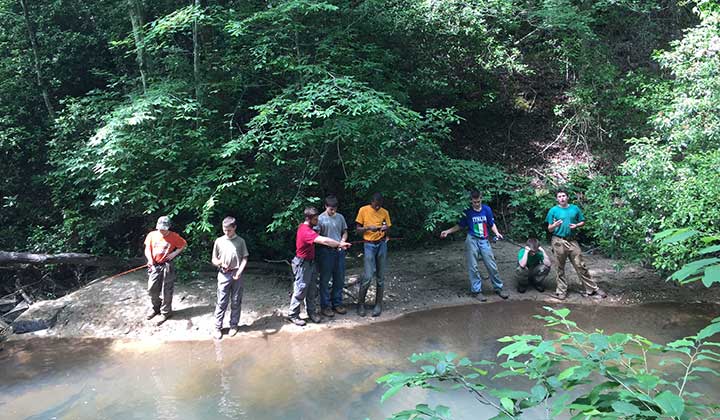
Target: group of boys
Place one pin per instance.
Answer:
(533, 262)
(320, 248)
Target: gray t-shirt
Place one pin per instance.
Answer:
(332, 227)
(230, 251)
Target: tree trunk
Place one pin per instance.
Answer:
(36, 59)
(196, 55)
(137, 22)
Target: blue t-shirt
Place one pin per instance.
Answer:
(569, 215)
(478, 223)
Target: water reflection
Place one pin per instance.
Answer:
(314, 375)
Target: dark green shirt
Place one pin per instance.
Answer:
(532, 260)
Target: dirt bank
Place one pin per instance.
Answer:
(416, 280)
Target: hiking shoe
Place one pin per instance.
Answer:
(233, 331)
(479, 296)
(596, 293)
(521, 289)
(315, 318)
(328, 312)
(297, 321)
(217, 334)
(150, 315)
(539, 287)
(559, 296)
(503, 294)
(340, 309)
(161, 319)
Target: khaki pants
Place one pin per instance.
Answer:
(564, 249)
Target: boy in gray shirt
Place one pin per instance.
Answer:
(230, 256)
(332, 260)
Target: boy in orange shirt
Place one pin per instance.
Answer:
(161, 246)
(373, 221)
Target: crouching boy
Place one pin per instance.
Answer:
(533, 266)
(230, 256)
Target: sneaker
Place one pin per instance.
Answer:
(340, 309)
(596, 293)
(503, 294)
(161, 319)
(297, 321)
(233, 331)
(150, 315)
(539, 287)
(559, 296)
(315, 318)
(328, 312)
(479, 296)
(217, 334)
(521, 289)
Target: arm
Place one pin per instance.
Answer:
(546, 257)
(332, 243)
(496, 232)
(148, 255)
(240, 270)
(215, 259)
(174, 254)
(551, 227)
(343, 238)
(577, 225)
(447, 232)
(362, 229)
(523, 261)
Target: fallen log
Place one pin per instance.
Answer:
(64, 258)
(72, 258)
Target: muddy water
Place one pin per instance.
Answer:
(326, 374)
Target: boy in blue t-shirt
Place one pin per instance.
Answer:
(478, 220)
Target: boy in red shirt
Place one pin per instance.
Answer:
(303, 265)
(161, 246)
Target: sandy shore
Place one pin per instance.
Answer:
(416, 280)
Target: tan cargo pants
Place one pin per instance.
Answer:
(564, 249)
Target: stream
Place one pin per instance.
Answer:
(326, 374)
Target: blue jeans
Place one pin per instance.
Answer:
(474, 249)
(332, 265)
(375, 259)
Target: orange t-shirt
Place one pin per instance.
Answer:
(161, 246)
(367, 216)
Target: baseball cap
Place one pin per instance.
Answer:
(163, 223)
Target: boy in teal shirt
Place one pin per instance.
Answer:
(563, 221)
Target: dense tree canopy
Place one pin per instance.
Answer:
(115, 112)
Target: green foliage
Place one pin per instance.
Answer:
(669, 180)
(578, 373)
(259, 109)
(705, 269)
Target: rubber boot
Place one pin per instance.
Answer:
(378, 301)
(361, 300)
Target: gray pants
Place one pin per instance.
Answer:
(161, 282)
(228, 291)
(305, 287)
(535, 275)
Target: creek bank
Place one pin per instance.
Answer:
(416, 280)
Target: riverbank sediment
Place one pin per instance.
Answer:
(416, 280)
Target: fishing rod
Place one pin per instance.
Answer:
(126, 272)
